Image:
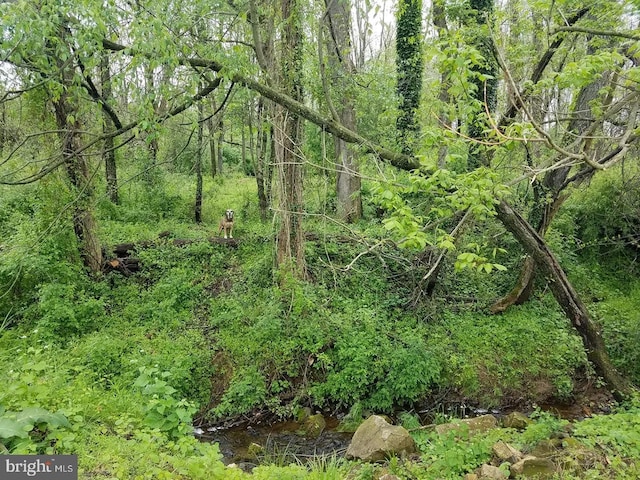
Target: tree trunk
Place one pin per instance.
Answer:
(220, 156)
(152, 143)
(3, 125)
(84, 224)
(261, 158)
(486, 92)
(212, 147)
(440, 22)
(109, 153)
(243, 148)
(67, 116)
(290, 237)
(409, 65)
(548, 194)
(198, 166)
(268, 175)
(339, 45)
(566, 297)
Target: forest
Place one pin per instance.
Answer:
(231, 218)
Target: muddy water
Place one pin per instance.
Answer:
(280, 443)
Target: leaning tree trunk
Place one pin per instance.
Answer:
(549, 195)
(566, 297)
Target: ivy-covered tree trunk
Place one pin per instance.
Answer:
(84, 223)
(348, 183)
(290, 237)
(409, 66)
(67, 115)
(566, 297)
(485, 81)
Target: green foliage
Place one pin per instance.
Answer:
(35, 430)
(618, 315)
(248, 390)
(440, 194)
(451, 455)
(544, 427)
(618, 434)
(607, 214)
(64, 310)
(409, 64)
(363, 360)
(495, 357)
(163, 411)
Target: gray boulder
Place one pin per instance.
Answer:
(376, 439)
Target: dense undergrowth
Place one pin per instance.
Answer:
(116, 369)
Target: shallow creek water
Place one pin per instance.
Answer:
(280, 443)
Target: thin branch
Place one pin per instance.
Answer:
(593, 31)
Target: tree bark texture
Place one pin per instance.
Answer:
(67, 120)
(109, 153)
(198, 166)
(290, 237)
(339, 45)
(212, 147)
(261, 157)
(84, 223)
(486, 93)
(566, 297)
(220, 142)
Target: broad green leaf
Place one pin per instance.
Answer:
(11, 428)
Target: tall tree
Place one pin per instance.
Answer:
(485, 79)
(198, 165)
(288, 134)
(109, 151)
(409, 65)
(262, 19)
(348, 182)
(67, 114)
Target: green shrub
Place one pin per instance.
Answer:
(494, 357)
(64, 310)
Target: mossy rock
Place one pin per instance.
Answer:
(516, 420)
(313, 426)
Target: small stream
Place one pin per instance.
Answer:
(276, 443)
(250, 444)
